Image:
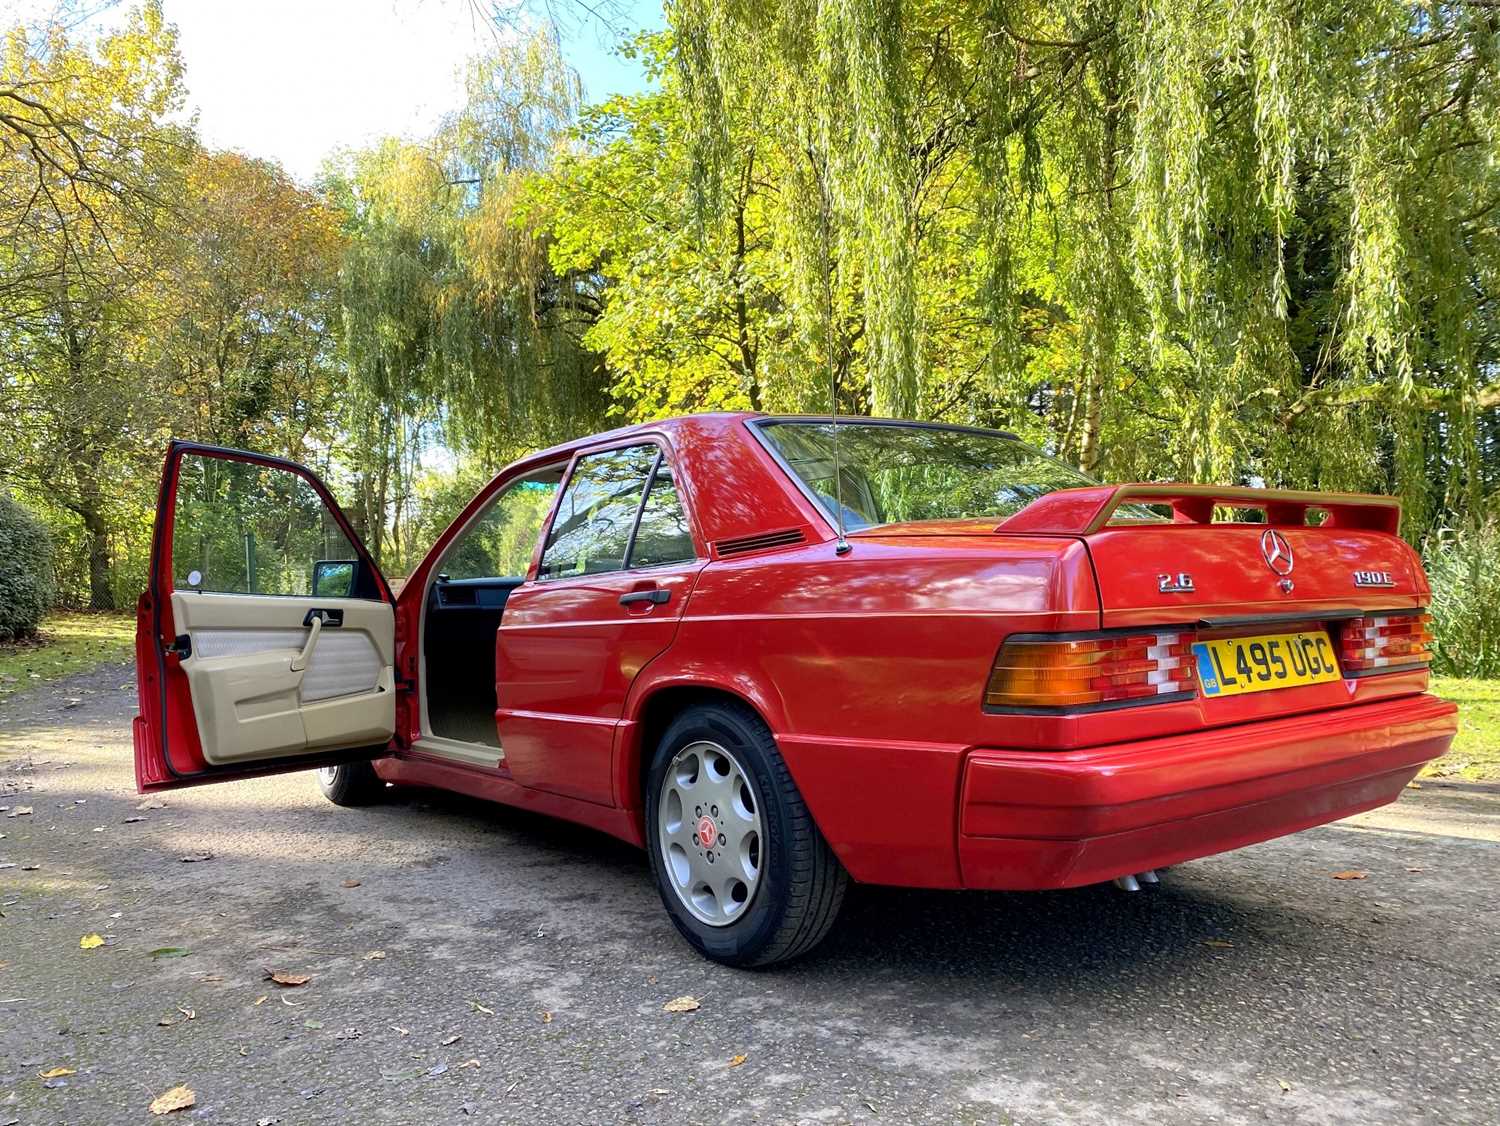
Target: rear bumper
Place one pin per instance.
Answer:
(1034, 819)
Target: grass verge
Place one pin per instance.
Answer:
(1476, 751)
(68, 643)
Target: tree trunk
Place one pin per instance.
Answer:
(1088, 442)
(96, 529)
(748, 371)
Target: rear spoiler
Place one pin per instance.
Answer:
(1080, 512)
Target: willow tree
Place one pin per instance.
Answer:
(1225, 240)
(455, 329)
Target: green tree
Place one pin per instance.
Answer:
(1192, 239)
(455, 327)
(253, 285)
(79, 312)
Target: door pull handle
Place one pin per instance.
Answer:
(314, 627)
(656, 597)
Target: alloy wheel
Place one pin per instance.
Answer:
(710, 833)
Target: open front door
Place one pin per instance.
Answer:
(266, 639)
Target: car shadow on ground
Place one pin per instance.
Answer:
(1081, 938)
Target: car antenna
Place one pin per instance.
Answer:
(842, 546)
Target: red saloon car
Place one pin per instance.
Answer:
(781, 653)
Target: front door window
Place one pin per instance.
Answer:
(239, 527)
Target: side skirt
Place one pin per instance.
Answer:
(414, 769)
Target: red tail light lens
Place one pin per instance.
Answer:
(1044, 673)
(1385, 641)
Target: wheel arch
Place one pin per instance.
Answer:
(653, 710)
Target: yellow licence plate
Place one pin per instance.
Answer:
(1234, 665)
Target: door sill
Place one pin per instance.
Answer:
(465, 754)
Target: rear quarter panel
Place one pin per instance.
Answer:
(869, 669)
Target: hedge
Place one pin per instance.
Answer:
(26, 587)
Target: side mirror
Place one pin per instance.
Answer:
(333, 578)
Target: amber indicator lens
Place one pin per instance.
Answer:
(1103, 670)
(1385, 641)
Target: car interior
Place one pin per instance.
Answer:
(465, 600)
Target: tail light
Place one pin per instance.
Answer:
(1113, 669)
(1385, 641)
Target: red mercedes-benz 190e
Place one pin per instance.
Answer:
(781, 654)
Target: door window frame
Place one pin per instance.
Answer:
(664, 456)
(166, 519)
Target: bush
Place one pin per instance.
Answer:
(26, 590)
(1466, 601)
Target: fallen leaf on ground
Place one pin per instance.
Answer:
(735, 1061)
(546, 1018)
(1218, 943)
(313, 1024)
(189, 1013)
(478, 1008)
(1414, 785)
(1285, 1086)
(261, 1000)
(375, 955)
(90, 942)
(450, 1040)
(402, 1031)
(20, 811)
(178, 1098)
(132, 820)
(1350, 874)
(53, 1073)
(351, 883)
(169, 952)
(680, 1005)
(286, 979)
(469, 1063)
(152, 803)
(196, 857)
(166, 1022)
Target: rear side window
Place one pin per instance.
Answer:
(591, 531)
(663, 535)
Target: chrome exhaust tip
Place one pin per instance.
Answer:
(1148, 877)
(1126, 883)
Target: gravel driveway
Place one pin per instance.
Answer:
(473, 963)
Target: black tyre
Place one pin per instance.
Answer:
(742, 869)
(353, 783)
